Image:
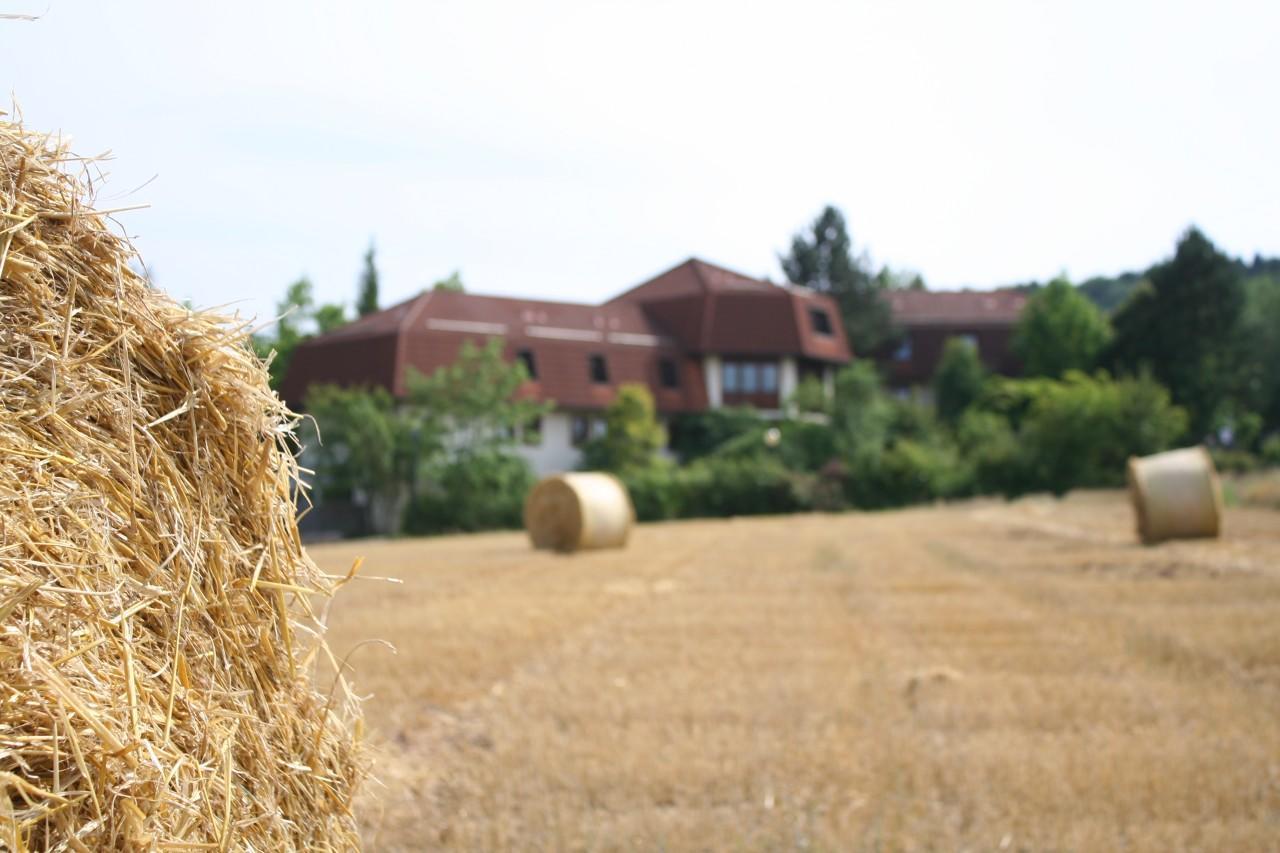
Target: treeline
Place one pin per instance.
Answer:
(1200, 323)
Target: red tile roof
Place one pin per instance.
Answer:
(956, 307)
(710, 309)
(692, 309)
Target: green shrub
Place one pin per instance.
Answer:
(906, 472)
(720, 487)
(693, 435)
(802, 445)
(484, 490)
(632, 435)
(656, 492)
(1080, 431)
(992, 454)
(959, 379)
(1271, 450)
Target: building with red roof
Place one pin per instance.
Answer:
(698, 335)
(928, 318)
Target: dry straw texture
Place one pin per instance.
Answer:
(156, 635)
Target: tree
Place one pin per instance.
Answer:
(822, 259)
(452, 282)
(1060, 329)
(446, 443)
(297, 315)
(293, 312)
(1181, 324)
(476, 398)
(1258, 350)
(959, 380)
(633, 436)
(367, 446)
(367, 296)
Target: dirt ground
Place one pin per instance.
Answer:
(984, 676)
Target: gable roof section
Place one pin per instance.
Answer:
(711, 309)
(978, 308)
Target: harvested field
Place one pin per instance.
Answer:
(986, 675)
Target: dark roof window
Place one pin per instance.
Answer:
(530, 365)
(821, 321)
(668, 374)
(599, 369)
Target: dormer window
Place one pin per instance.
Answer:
(599, 369)
(821, 321)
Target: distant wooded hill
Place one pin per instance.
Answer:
(1110, 292)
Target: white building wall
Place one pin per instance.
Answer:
(788, 380)
(711, 371)
(555, 453)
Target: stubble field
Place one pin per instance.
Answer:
(982, 676)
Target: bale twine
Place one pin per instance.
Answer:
(156, 632)
(572, 512)
(1175, 495)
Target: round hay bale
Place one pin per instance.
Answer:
(572, 512)
(157, 637)
(1175, 495)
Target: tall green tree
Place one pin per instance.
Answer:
(451, 282)
(367, 296)
(1181, 325)
(633, 435)
(1060, 329)
(959, 379)
(293, 312)
(822, 258)
(299, 319)
(1258, 350)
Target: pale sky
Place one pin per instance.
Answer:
(571, 150)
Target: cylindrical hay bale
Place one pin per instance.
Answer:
(573, 512)
(1176, 495)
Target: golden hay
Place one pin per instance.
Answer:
(156, 638)
(572, 512)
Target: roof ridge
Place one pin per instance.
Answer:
(397, 369)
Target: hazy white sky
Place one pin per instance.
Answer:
(570, 150)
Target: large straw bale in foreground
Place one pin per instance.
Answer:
(155, 643)
(572, 512)
(1175, 495)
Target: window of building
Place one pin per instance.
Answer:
(750, 377)
(820, 320)
(598, 428)
(903, 352)
(599, 369)
(579, 430)
(530, 366)
(769, 378)
(667, 373)
(730, 373)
